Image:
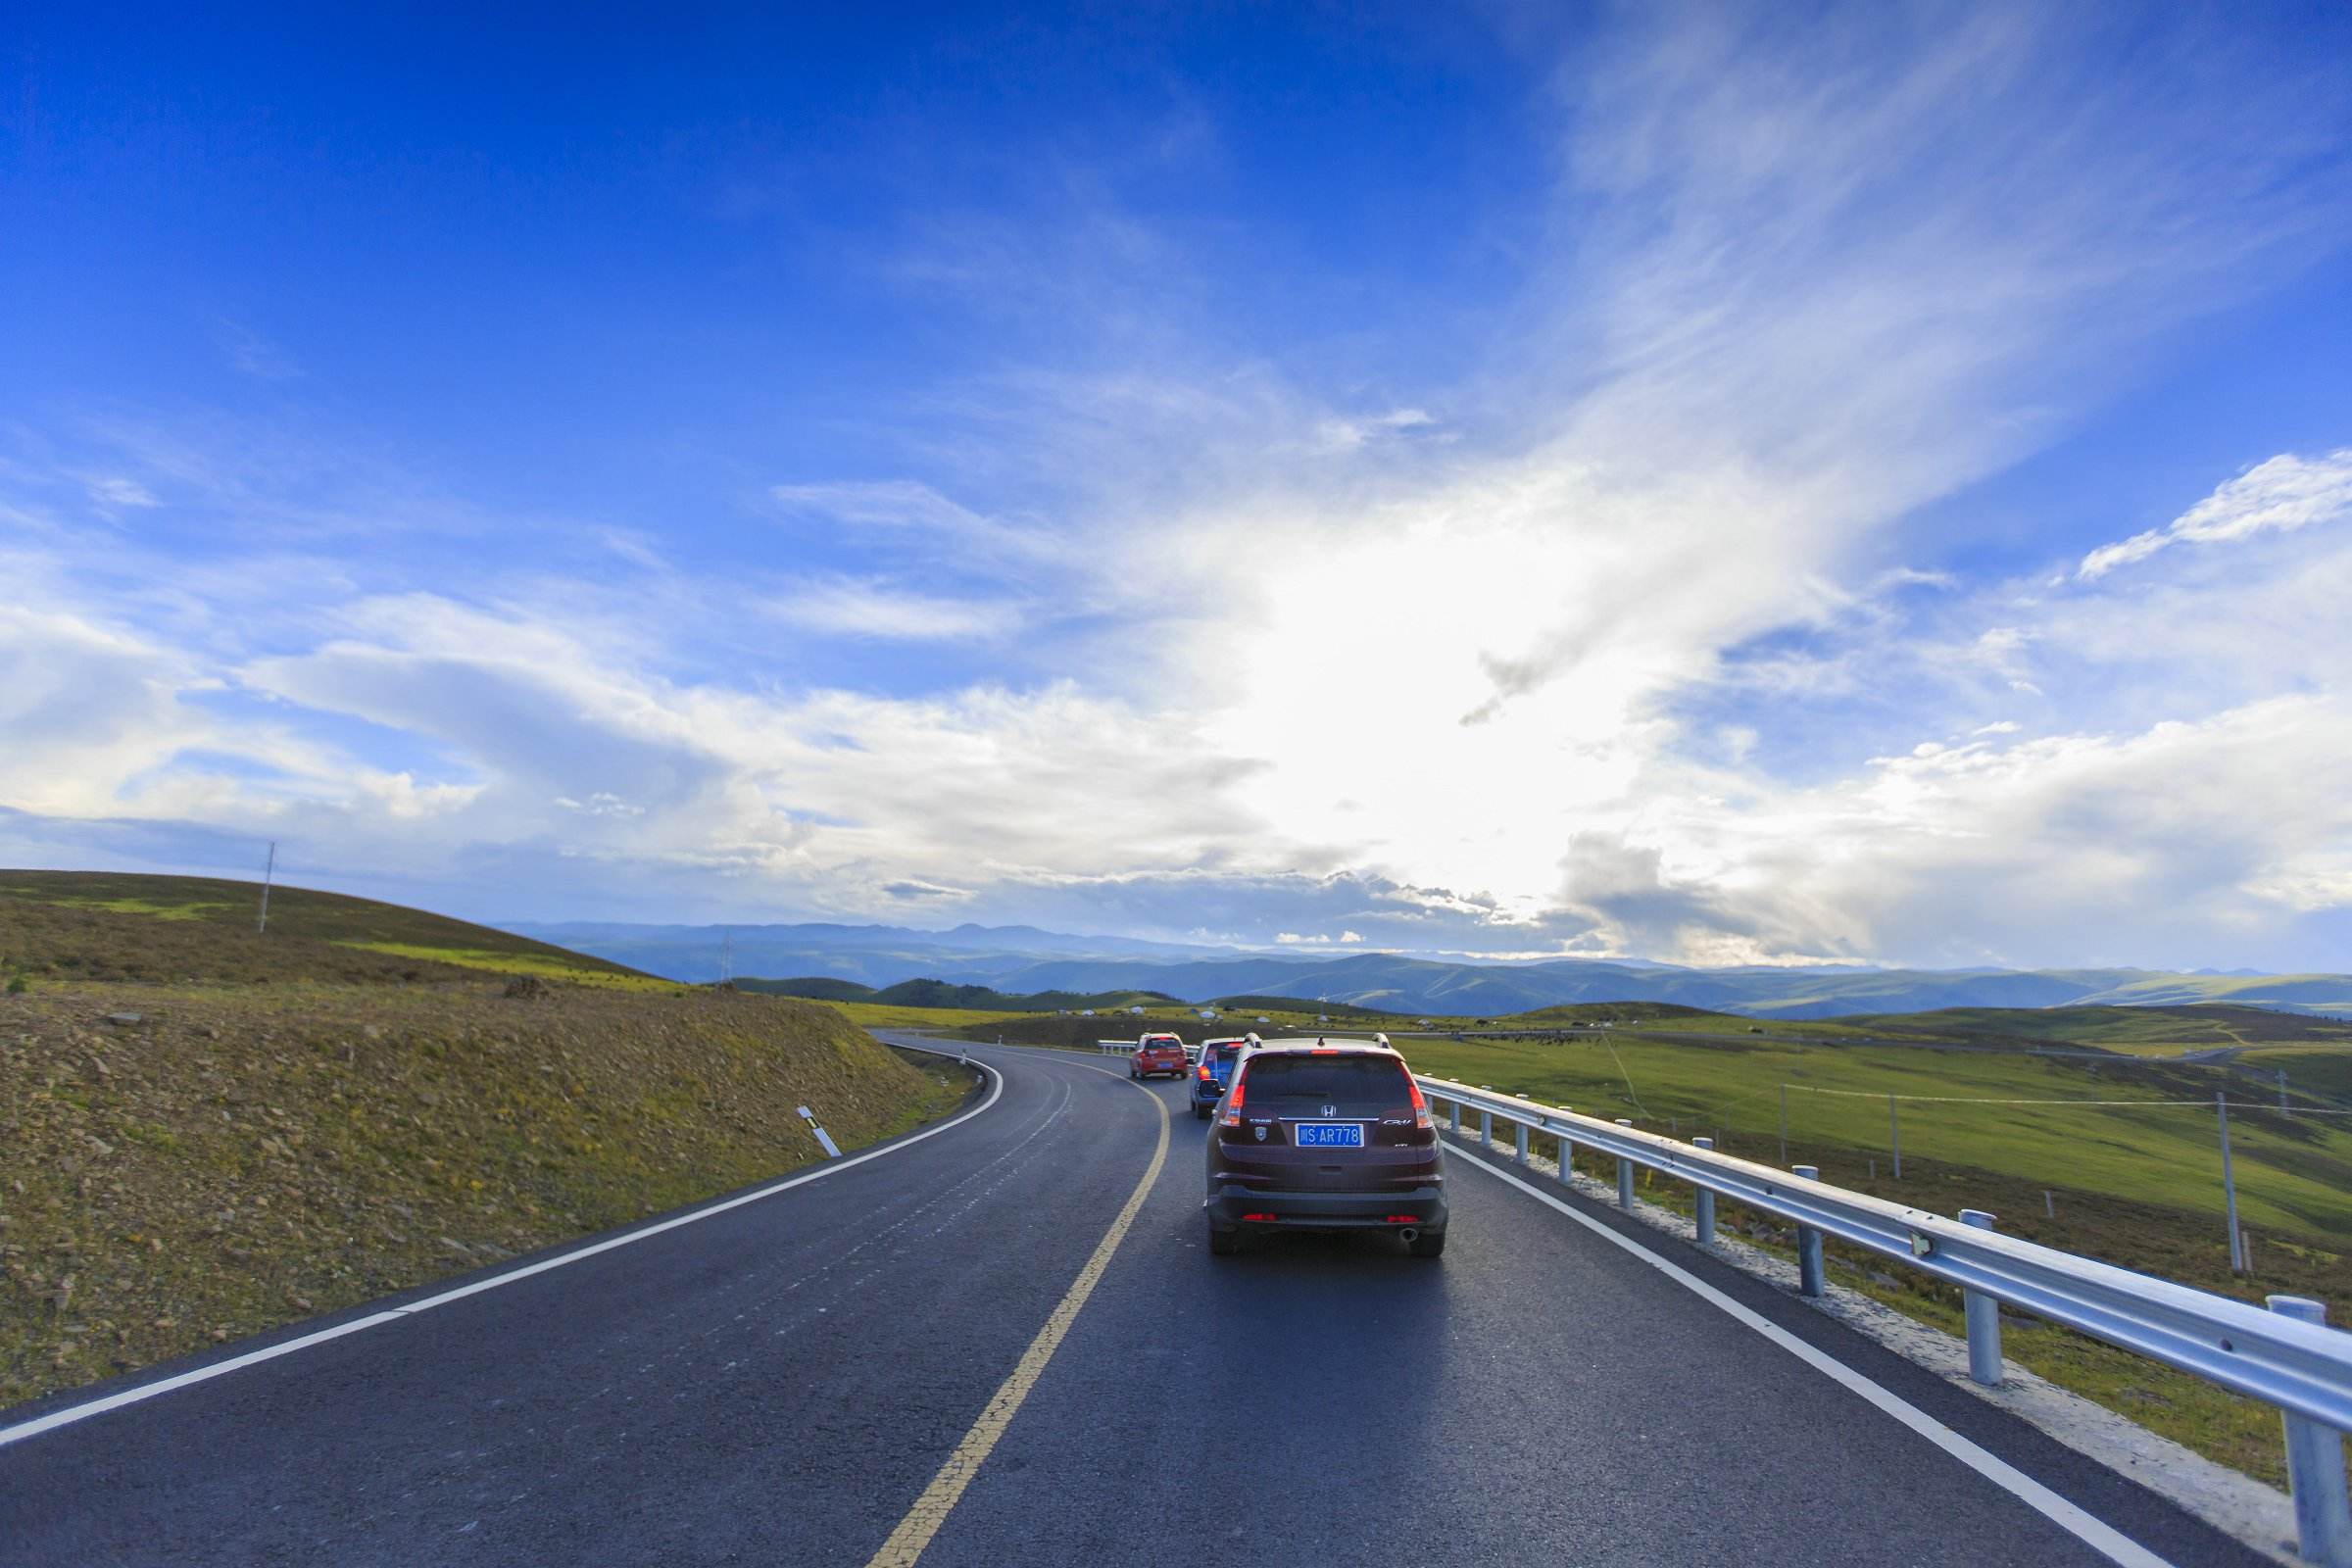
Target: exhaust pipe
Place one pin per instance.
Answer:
(1409, 1235)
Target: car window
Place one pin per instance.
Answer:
(1357, 1084)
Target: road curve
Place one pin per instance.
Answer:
(780, 1383)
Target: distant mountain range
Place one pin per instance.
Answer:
(1025, 960)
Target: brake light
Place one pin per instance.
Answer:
(1202, 1070)
(1404, 1219)
(1421, 1121)
(1258, 1216)
(1232, 1102)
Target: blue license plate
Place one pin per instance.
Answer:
(1331, 1135)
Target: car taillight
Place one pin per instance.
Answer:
(1258, 1216)
(1233, 1103)
(1404, 1219)
(1204, 1071)
(1421, 1121)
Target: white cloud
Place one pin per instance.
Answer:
(879, 503)
(849, 608)
(2280, 495)
(85, 709)
(1810, 298)
(1341, 435)
(115, 490)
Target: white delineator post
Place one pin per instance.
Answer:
(1984, 1315)
(1707, 1202)
(2315, 1467)
(1625, 1175)
(824, 1139)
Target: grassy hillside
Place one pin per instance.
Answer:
(2137, 1183)
(2134, 1030)
(95, 925)
(191, 1160)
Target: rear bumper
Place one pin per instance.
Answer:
(1326, 1211)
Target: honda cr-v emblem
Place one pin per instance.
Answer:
(1330, 1110)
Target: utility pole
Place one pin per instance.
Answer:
(727, 959)
(1895, 1136)
(1784, 1124)
(269, 871)
(2237, 1245)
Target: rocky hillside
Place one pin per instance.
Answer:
(189, 1161)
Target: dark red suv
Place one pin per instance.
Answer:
(1157, 1054)
(1325, 1136)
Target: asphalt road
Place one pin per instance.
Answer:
(779, 1382)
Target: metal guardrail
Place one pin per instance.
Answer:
(2285, 1356)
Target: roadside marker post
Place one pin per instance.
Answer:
(1810, 1280)
(824, 1139)
(1707, 1202)
(1984, 1315)
(2315, 1467)
(2237, 1244)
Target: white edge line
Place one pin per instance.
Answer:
(148, 1391)
(2085, 1526)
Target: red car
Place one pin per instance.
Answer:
(1157, 1053)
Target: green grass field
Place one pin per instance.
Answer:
(2137, 1184)
(2294, 1173)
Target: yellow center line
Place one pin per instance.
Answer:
(907, 1542)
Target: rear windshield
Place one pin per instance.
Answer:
(1378, 1081)
(1224, 1052)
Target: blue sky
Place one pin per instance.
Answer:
(1714, 484)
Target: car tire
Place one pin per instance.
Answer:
(1223, 1244)
(1429, 1243)
(1199, 1113)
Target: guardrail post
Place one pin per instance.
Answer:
(1522, 1156)
(1567, 1155)
(1457, 1118)
(1984, 1315)
(2315, 1467)
(1485, 1128)
(1808, 1244)
(1625, 1175)
(1707, 1202)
